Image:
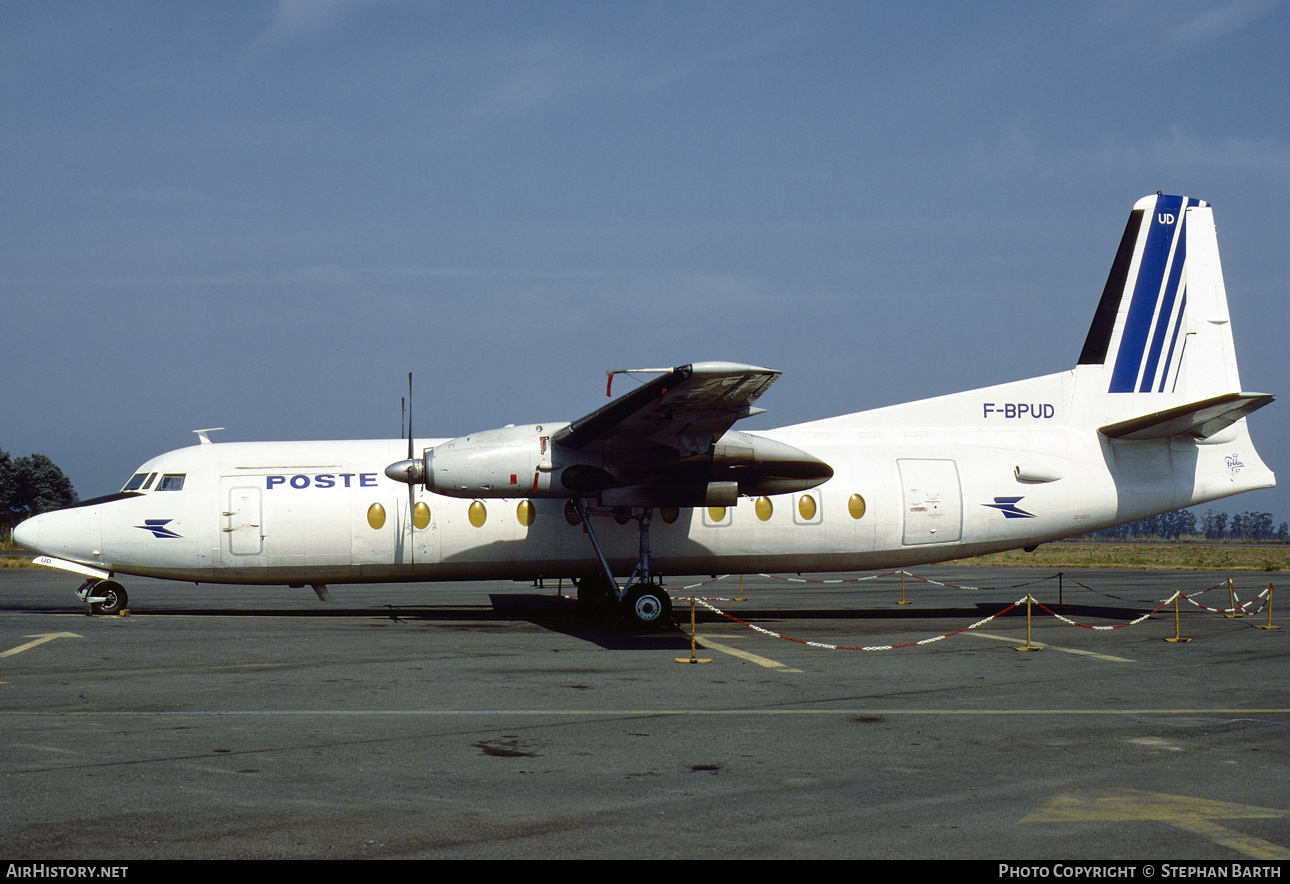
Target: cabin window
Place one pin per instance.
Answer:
(716, 516)
(171, 482)
(525, 512)
(809, 511)
(806, 506)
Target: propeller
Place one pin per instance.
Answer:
(412, 471)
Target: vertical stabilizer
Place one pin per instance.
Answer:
(1162, 325)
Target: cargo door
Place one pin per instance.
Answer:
(933, 501)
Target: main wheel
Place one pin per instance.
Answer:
(595, 595)
(113, 595)
(648, 604)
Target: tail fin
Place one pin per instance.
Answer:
(1162, 325)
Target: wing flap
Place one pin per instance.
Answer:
(686, 408)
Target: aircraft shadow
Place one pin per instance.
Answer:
(612, 631)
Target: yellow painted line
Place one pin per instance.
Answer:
(743, 655)
(613, 713)
(1194, 815)
(1013, 640)
(1246, 844)
(39, 640)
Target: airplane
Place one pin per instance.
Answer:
(1152, 418)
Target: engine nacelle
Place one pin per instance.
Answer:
(764, 466)
(509, 462)
(526, 462)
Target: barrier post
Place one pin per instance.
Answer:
(902, 588)
(1269, 626)
(1029, 646)
(1232, 613)
(1177, 636)
(692, 658)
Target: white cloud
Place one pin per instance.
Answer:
(293, 18)
(1013, 149)
(1261, 157)
(1216, 23)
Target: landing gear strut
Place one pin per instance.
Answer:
(643, 600)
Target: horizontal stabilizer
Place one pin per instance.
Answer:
(1200, 420)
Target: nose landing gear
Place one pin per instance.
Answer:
(103, 596)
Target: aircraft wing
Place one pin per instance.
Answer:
(686, 409)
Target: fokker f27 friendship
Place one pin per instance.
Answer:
(1152, 418)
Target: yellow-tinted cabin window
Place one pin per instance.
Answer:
(806, 507)
(855, 506)
(525, 512)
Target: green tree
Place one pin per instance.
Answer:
(1213, 524)
(8, 491)
(31, 485)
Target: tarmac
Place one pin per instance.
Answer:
(493, 720)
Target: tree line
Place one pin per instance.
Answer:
(30, 485)
(1212, 525)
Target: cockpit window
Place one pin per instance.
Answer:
(142, 482)
(171, 482)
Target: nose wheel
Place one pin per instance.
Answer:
(104, 597)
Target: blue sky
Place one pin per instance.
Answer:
(262, 215)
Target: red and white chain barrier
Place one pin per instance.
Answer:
(829, 647)
(1251, 607)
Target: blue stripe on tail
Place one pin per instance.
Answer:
(1163, 253)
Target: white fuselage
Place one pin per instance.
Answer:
(972, 473)
(1151, 419)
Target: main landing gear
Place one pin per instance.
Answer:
(103, 596)
(642, 601)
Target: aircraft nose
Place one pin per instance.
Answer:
(70, 533)
(27, 534)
